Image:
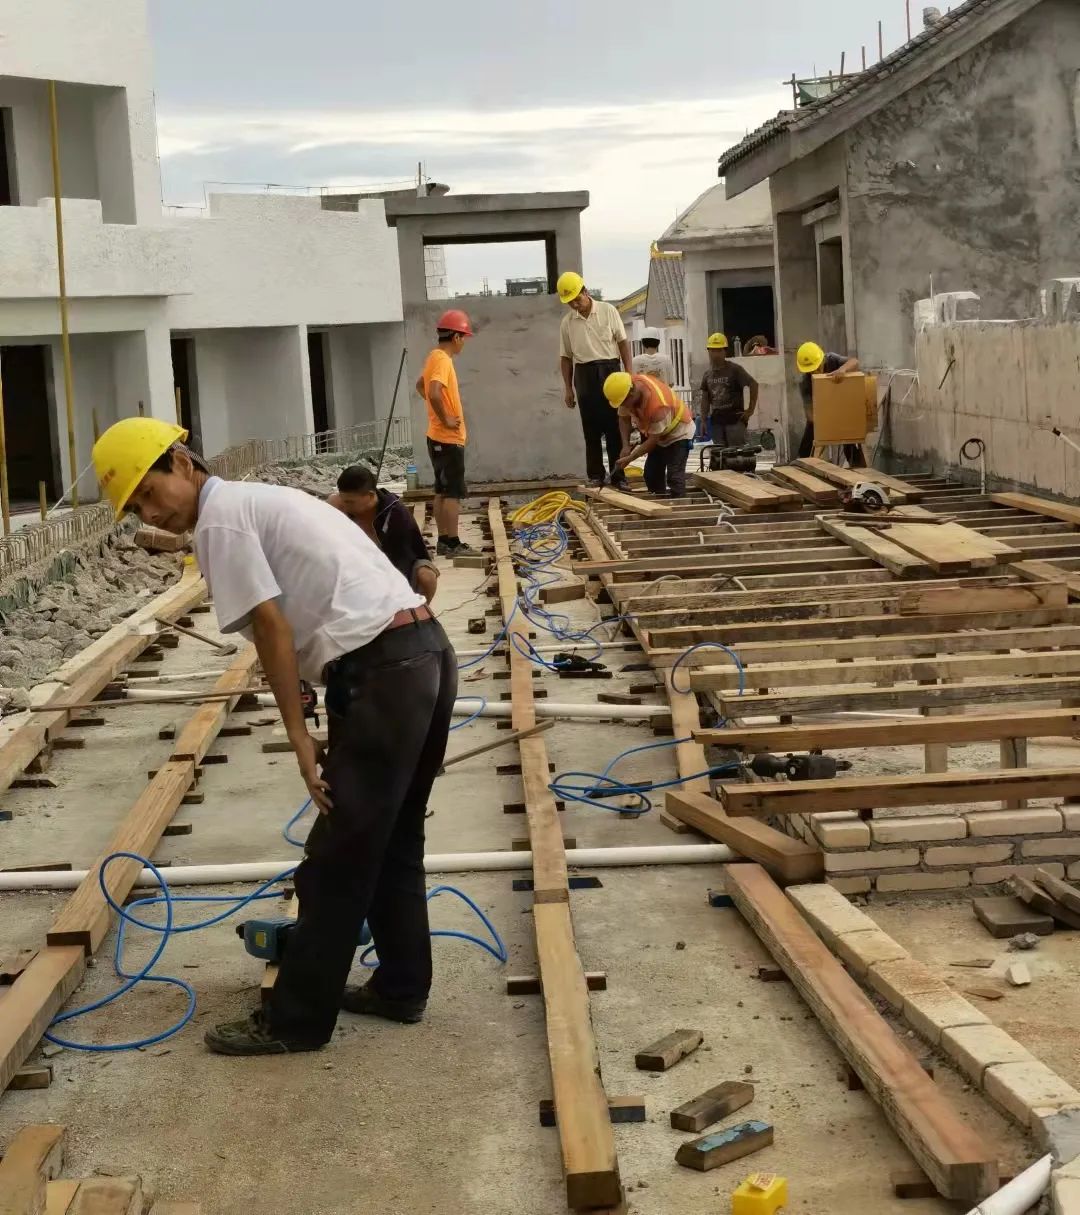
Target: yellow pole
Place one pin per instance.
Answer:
(65, 342)
(5, 510)
(43, 505)
(179, 411)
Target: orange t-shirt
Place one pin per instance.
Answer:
(439, 369)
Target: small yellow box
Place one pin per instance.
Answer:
(760, 1194)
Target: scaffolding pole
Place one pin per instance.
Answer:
(5, 505)
(65, 339)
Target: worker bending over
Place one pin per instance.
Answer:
(811, 360)
(721, 405)
(322, 602)
(651, 361)
(446, 433)
(664, 423)
(384, 518)
(592, 344)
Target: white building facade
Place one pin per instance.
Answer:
(266, 316)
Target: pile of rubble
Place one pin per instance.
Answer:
(319, 474)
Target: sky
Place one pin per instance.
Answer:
(632, 101)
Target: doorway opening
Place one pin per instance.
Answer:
(29, 422)
(186, 386)
(747, 312)
(318, 360)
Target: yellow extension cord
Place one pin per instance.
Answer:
(546, 508)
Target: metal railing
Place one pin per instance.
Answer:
(30, 545)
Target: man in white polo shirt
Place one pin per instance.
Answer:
(322, 602)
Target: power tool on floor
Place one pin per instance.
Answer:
(309, 701)
(810, 766)
(573, 666)
(729, 459)
(866, 498)
(268, 938)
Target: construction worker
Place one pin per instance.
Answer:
(812, 360)
(721, 404)
(592, 344)
(321, 602)
(385, 519)
(651, 361)
(664, 424)
(446, 432)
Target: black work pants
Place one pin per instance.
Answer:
(852, 451)
(599, 422)
(665, 469)
(389, 707)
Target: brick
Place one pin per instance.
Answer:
(1066, 1195)
(861, 950)
(1070, 817)
(969, 854)
(931, 1013)
(917, 829)
(1034, 820)
(903, 980)
(1028, 1091)
(828, 911)
(852, 885)
(883, 858)
(991, 874)
(1074, 871)
(854, 834)
(1063, 846)
(974, 1048)
(951, 879)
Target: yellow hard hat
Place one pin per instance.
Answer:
(125, 453)
(617, 388)
(809, 357)
(716, 341)
(569, 286)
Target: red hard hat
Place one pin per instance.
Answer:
(456, 321)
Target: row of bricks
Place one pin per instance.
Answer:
(844, 829)
(956, 856)
(948, 879)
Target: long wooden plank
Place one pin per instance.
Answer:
(827, 550)
(789, 860)
(86, 917)
(932, 601)
(1040, 571)
(948, 546)
(841, 735)
(584, 1126)
(837, 700)
(86, 674)
(874, 670)
(961, 1165)
(631, 502)
(813, 489)
(879, 793)
(33, 1157)
(899, 491)
(1039, 506)
(878, 547)
(744, 490)
(32, 1001)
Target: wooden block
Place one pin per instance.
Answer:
(668, 1050)
(912, 1182)
(524, 844)
(85, 721)
(59, 1196)
(562, 592)
(1037, 897)
(1007, 916)
(479, 562)
(177, 829)
(771, 974)
(477, 625)
(812, 488)
(529, 985)
(168, 641)
(64, 742)
(713, 1104)
(176, 1208)
(34, 782)
(711, 1151)
(33, 1157)
(953, 1155)
(32, 1077)
(231, 730)
(153, 772)
(193, 797)
(40, 867)
(674, 824)
(620, 698)
(620, 1110)
(1065, 894)
(167, 732)
(108, 1196)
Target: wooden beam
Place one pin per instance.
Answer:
(746, 491)
(933, 601)
(584, 1126)
(954, 730)
(902, 491)
(960, 1164)
(1040, 571)
(878, 547)
(1039, 506)
(813, 489)
(837, 700)
(788, 860)
(631, 502)
(33, 1157)
(878, 793)
(950, 547)
(86, 917)
(32, 1001)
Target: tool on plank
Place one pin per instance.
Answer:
(810, 766)
(226, 647)
(865, 498)
(268, 938)
(729, 459)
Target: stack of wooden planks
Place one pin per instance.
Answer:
(749, 492)
(899, 491)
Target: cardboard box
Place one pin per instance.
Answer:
(840, 411)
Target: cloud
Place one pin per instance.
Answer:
(642, 162)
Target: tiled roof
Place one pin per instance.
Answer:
(796, 120)
(667, 279)
(629, 302)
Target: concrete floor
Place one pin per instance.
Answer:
(405, 1120)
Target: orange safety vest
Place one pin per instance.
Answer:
(662, 398)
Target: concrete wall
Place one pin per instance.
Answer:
(1010, 382)
(519, 428)
(972, 177)
(364, 362)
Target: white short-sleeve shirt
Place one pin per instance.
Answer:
(336, 588)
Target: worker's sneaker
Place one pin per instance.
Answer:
(368, 1003)
(465, 550)
(252, 1037)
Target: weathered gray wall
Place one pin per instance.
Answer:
(518, 426)
(972, 177)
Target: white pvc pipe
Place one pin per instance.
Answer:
(1022, 1193)
(549, 649)
(466, 707)
(447, 862)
